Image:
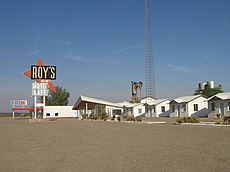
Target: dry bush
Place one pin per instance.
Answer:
(192, 119)
(226, 120)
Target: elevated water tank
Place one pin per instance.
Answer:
(210, 84)
(201, 86)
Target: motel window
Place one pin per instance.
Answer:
(139, 110)
(162, 108)
(195, 107)
(117, 112)
(173, 108)
(213, 106)
(183, 108)
(56, 114)
(47, 114)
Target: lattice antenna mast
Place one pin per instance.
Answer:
(149, 66)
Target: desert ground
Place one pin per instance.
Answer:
(75, 145)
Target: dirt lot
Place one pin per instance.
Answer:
(73, 145)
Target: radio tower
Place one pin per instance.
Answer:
(149, 68)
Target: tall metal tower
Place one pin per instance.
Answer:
(149, 68)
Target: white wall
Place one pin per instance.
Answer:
(136, 110)
(202, 107)
(217, 107)
(61, 111)
(158, 111)
(167, 109)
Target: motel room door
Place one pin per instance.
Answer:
(222, 109)
(178, 111)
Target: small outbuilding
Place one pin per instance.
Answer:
(59, 112)
(219, 104)
(135, 109)
(157, 108)
(189, 106)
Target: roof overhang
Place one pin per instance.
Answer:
(91, 103)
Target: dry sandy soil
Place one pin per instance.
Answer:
(73, 145)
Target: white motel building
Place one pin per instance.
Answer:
(185, 106)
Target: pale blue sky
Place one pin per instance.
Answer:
(98, 46)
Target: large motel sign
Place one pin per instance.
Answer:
(42, 76)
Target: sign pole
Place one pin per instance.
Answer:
(44, 104)
(35, 107)
(13, 110)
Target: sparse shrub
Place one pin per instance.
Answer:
(125, 117)
(103, 116)
(84, 116)
(186, 119)
(119, 119)
(130, 118)
(218, 115)
(226, 120)
(192, 119)
(113, 118)
(90, 116)
(179, 120)
(97, 117)
(138, 119)
(218, 118)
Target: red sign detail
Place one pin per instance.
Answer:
(31, 108)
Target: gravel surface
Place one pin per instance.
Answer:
(74, 145)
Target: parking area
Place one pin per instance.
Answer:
(75, 145)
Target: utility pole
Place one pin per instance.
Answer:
(149, 65)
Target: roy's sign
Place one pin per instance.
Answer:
(43, 72)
